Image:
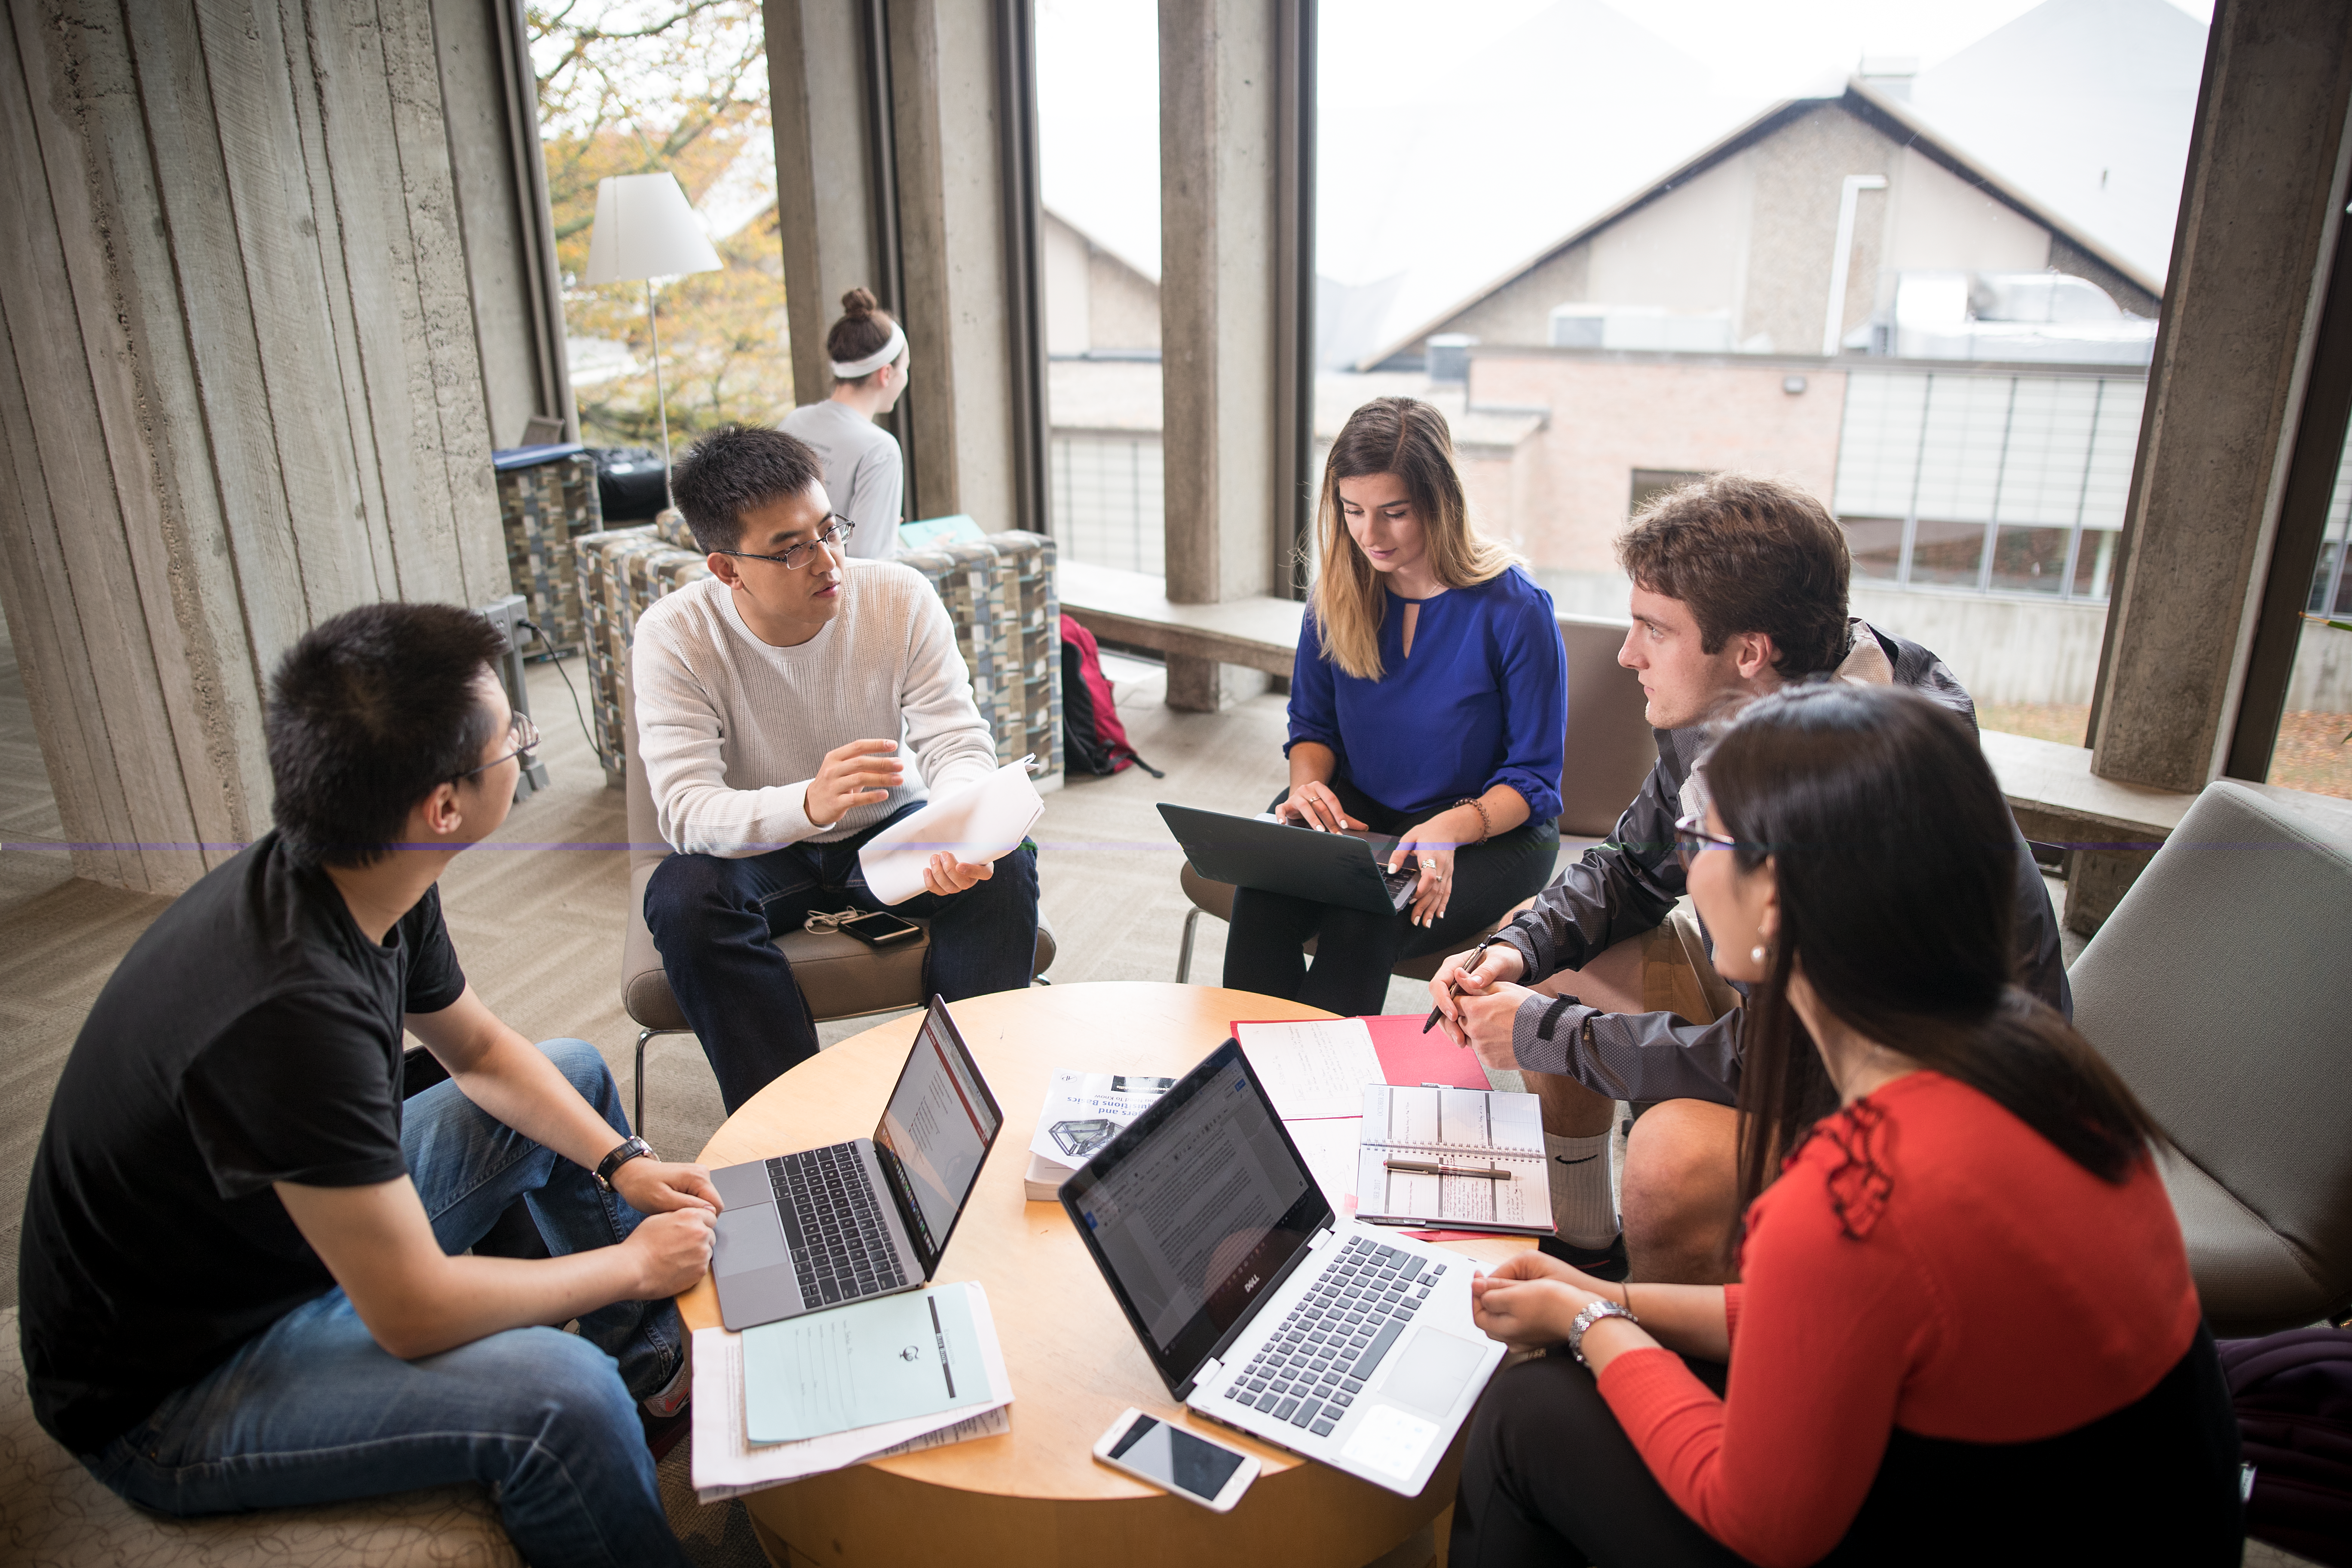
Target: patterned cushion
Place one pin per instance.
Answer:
(53, 1515)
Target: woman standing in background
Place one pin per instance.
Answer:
(865, 473)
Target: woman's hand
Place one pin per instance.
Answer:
(1530, 1301)
(1315, 805)
(1432, 845)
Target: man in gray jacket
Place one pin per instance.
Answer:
(1606, 989)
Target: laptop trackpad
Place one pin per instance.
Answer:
(749, 1238)
(1430, 1377)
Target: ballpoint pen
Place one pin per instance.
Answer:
(1416, 1168)
(1436, 1012)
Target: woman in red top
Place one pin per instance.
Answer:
(1965, 1328)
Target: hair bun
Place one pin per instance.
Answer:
(858, 302)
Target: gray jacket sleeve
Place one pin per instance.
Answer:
(1619, 888)
(1631, 1056)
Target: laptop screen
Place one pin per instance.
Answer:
(1196, 1210)
(935, 1132)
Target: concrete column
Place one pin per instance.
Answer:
(828, 187)
(2264, 191)
(1220, 357)
(241, 389)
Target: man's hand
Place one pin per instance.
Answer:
(1479, 1003)
(862, 772)
(671, 1250)
(1530, 1301)
(945, 875)
(1315, 805)
(657, 1187)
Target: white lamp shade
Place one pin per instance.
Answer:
(645, 229)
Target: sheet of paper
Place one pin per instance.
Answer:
(1312, 1066)
(727, 1464)
(985, 821)
(1084, 1110)
(1330, 1145)
(1469, 1129)
(911, 1354)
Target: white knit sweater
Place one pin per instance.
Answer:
(732, 731)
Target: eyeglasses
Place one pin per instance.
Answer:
(833, 535)
(525, 736)
(1691, 836)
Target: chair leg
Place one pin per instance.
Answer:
(1184, 949)
(637, 1077)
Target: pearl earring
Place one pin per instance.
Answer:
(1756, 952)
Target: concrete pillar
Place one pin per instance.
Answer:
(241, 389)
(1224, 423)
(2265, 188)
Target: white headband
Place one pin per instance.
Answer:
(851, 369)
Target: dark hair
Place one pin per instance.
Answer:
(1894, 858)
(735, 468)
(368, 712)
(865, 326)
(1746, 554)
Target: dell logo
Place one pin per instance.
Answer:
(1253, 1283)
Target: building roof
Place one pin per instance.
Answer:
(1891, 115)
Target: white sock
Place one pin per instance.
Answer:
(1581, 1209)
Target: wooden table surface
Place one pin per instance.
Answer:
(1036, 1495)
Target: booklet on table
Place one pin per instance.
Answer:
(1084, 1111)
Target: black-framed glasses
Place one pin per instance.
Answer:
(833, 535)
(1690, 837)
(523, 733)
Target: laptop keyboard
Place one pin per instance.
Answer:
(833, 1218)
(1309, 1372)
(1400, 884)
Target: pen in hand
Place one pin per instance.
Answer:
(1451, 989)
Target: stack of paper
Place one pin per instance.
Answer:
(841, 1386)
(985, 821)
(1084, 1111)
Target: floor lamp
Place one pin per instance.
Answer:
(645, 230)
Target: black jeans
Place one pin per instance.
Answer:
(715, 922)
(1354, 951)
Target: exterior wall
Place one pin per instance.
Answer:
(1938, 220)
(1122, 304)
(1520, 312)
(1800, 178)
(1610, 413)
(1687, 251)
(1067, 282)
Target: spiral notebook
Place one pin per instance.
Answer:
(1464, 1159)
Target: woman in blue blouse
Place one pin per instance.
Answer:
(1429, 703)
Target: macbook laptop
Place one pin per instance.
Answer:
(1338, 1342)
(804, 1232)
(1350, 869)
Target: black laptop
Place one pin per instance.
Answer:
(1348, 869)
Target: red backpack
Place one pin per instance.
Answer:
(1093, 739)
(2294, 1398)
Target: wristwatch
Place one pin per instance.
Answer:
(631, 1147)
(1602, 1307)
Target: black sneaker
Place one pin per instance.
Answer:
(1602, 1262)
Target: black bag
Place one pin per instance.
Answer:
(2294, 1398)
(629, 483)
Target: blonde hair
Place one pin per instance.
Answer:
(1407, 437)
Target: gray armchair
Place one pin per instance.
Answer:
(2221, 991)
(840, 976)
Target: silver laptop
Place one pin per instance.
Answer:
(1342, 1342)
(804, 1232)
(1348, 869)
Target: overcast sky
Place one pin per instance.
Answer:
(1429, 116)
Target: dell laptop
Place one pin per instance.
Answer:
(804, 1232)
(1350, 869)
(1338, 1342)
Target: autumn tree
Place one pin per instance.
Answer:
(634, 87)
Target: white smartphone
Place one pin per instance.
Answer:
(1176, 1459)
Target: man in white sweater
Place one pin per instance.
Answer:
(777, 703)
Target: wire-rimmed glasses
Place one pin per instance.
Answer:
(833, 535)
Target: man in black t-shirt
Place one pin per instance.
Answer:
(244, 1279)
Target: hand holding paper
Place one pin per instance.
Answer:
(977, 824)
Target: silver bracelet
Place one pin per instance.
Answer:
(1602, 1307)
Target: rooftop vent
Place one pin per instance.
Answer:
(1890, 74)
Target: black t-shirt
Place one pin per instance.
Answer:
(252, 1036)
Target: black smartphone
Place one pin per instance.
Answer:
(878, 928)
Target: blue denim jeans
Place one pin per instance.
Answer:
(312, 1410)
(714, 922)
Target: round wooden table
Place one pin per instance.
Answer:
(1036, 1496)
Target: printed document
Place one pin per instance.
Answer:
(985, 821)
(1313, 1066)
(1084, 1110)
(916, 1354)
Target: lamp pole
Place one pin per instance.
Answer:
(661, 398)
